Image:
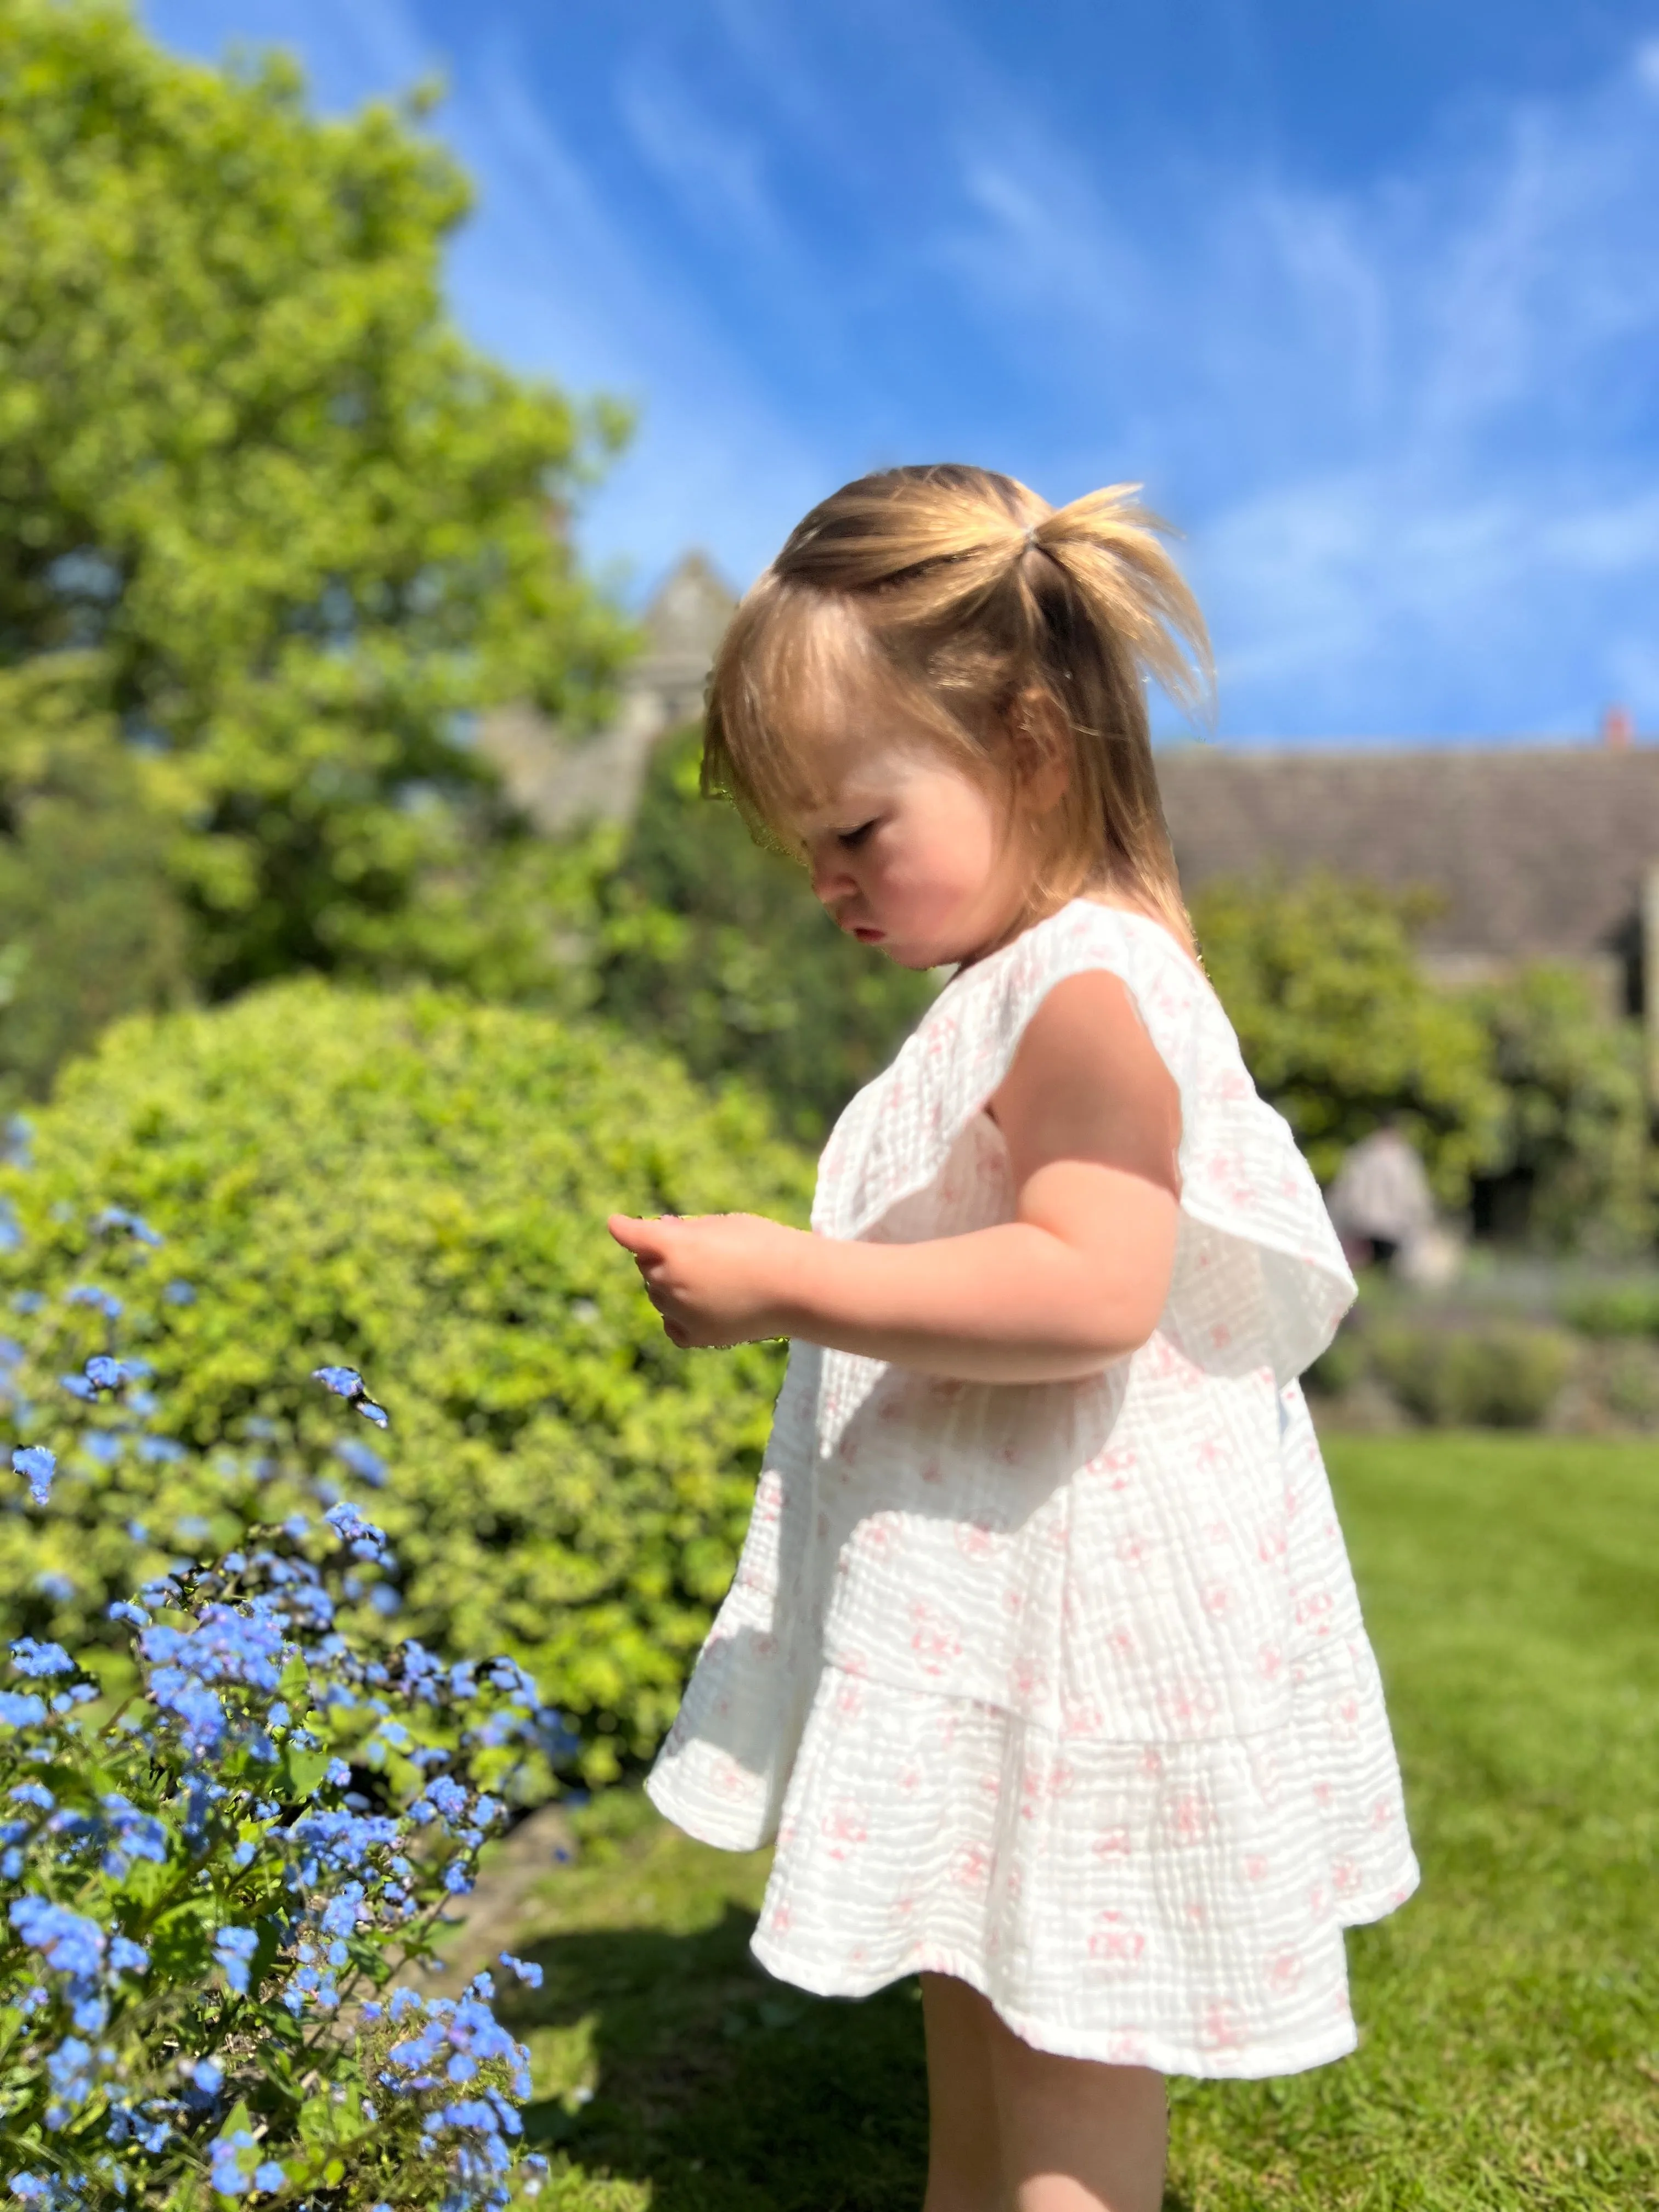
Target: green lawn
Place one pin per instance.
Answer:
(1510, 2053)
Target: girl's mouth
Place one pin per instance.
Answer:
(865, 934)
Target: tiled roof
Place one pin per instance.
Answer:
(1537, 852)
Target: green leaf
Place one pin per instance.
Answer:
(303, 1772)
(268, 1930)
(181, 1944)
(145, 1882)
(316, 2121)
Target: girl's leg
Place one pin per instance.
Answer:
(1015, 2130)
(963, 2166)
(1074, 2136)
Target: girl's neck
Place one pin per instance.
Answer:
(1028, 917)
(1102, 894)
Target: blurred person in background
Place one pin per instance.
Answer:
(1384, 1211)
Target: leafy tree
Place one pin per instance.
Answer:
(1576, 1146)
(1341, 1029)
(718, 947)
(298, 530)
(90, 926)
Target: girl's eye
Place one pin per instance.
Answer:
(852, 839)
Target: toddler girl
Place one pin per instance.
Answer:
(1042, 1661)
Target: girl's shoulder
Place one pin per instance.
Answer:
(985, 1009)
(897, 1131)
(1091, 930)
(1243, 1180)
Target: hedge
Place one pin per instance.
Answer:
(415, 1187)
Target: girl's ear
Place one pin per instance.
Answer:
(1041, 750)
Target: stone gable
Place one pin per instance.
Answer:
(560, 782)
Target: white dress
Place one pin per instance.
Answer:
(1062, 1688)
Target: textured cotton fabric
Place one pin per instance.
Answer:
(1062, 1688)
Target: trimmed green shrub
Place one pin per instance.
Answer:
(1503, 1375)
(417, 1188)
(1615, 1309)
(1631, 1383)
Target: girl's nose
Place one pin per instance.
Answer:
(830, 877)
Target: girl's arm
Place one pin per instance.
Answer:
(1092, 1122)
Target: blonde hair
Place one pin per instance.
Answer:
(999, 620)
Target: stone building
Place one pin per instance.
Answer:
(1536, 853)
(560, 782)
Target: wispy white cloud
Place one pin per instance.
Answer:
(1408, 423)
(555, 279)
(550, 276)
(1033, 235)
(1491, 540)
(1404, 422)
(717, 175)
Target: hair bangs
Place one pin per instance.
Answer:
(789, 663)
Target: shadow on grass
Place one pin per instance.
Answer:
(727, 2091)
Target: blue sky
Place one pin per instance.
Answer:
(1367, 294)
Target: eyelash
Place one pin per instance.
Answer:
(852, 839)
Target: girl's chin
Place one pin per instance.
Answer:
(918, 957)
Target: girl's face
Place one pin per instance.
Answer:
(907, 849)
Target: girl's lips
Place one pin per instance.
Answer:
(865, 934)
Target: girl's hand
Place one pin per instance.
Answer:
(716, 1279)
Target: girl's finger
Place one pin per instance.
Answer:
(644, 1239)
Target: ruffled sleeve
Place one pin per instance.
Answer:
(1248, 1198)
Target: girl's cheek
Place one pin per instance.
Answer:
(879, 878)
